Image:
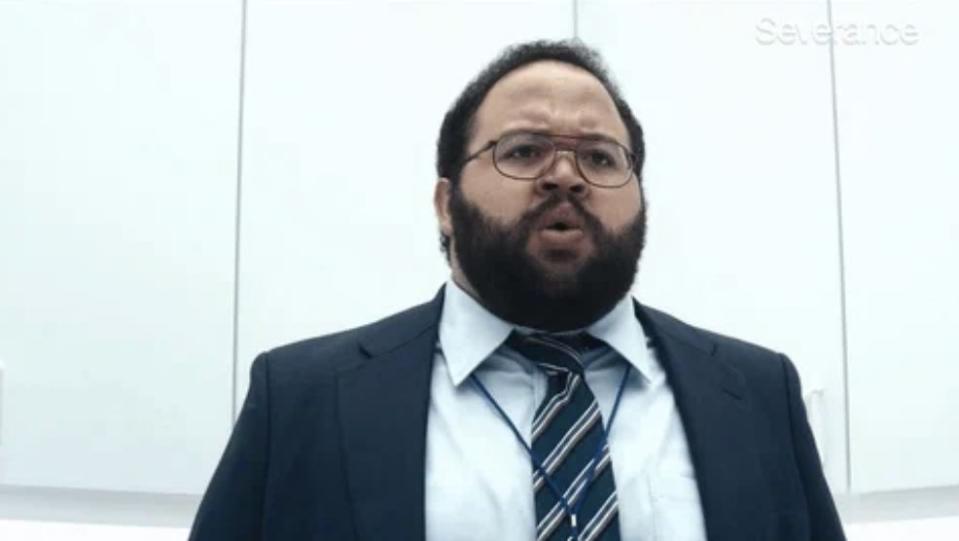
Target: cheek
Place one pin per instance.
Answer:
(618, 208)
(504, 199)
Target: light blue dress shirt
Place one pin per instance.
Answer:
(479, 477)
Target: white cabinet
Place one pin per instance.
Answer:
(740, 177)
(117, 233)
(344, 103)
(898, 117)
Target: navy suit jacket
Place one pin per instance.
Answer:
(330, 443)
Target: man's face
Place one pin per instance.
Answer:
(555, 252)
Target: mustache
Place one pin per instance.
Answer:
(526, 222)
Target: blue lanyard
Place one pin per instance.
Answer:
(571, 510)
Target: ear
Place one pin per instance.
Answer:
(441, 204)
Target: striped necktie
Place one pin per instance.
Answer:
(566, 438)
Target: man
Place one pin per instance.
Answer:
(532, 398)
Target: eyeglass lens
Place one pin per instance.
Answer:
(528, 155)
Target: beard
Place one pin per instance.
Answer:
(519, 288)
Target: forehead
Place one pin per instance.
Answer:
(549, 96)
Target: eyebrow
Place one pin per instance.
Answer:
(599, 136)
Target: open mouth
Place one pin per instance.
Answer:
(560, 226)
(562, 229)
(562, 219)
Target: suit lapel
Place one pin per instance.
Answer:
(713, 404)
(383, 404)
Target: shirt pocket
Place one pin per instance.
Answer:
(677, 511)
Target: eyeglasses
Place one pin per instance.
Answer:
(528, 155)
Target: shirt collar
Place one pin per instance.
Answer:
(622, 331)
(469, 334)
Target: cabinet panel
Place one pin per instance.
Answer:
(117, 235)
(344, 103)
(740, 177)
(898, 115)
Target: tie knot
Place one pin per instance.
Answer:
(555, 353)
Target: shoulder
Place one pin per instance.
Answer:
(741, 368)
(751, 361)
(334, 352)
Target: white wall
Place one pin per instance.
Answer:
(897, 138)
(118, 126)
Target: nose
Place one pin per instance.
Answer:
(563, 174)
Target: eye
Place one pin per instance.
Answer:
(522, 152)
(599, 158)
(526, 150)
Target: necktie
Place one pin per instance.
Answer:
(569, 441)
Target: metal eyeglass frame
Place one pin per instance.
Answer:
(556, 150)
